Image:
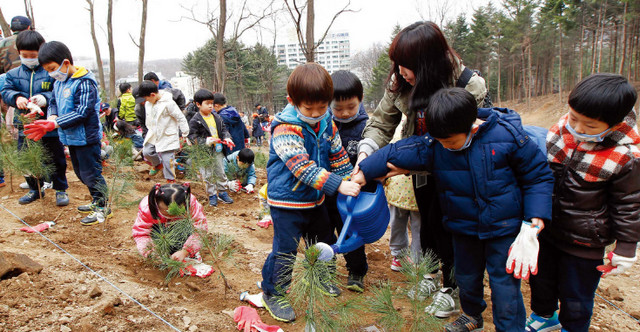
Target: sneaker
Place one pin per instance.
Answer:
(329, 289)
(62, 199)
(395, 264)
(31, 196)
(224, 197)
(87, 208)
(465, 323)
(99, 215)
(24, 185)
(443, 304)
(278, 307)
(155, 170)
(213, 200)
(2, 184)
(426, 287)
(47, 185)
(355, 283)
(537, 323)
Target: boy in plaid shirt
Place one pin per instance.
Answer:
(593, 154)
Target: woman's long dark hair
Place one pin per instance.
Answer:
(422, 48)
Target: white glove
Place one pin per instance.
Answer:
(201, 270)
(210, 141)
(523, 253)
(34, 108)
(249, 189)
(234, 185)
(39, 100)
(618, 264)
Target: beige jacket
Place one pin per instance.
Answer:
(164, 119)
(384, 120)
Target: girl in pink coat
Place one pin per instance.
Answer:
(153, 210)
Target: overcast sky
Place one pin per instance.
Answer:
(171, 35)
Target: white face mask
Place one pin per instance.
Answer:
(597, 138)
(58, 75)
(347, 120)
(310, 120)
(29, 62)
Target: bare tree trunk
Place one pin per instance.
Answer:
(499, 76)
(594, 50)
(28, 8)
(624, 39)
(143, 31)
(310, 55)
(581, 53)
(95, 45)
(112, 53)
(6, 28)
(221, 68)
(530, 78)
(560, 63)
(604, 18)
(613, 52)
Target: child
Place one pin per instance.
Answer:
(593, 155)
(233, 123)
(207, 128)
(239, 166)
(350, 118)
(491, 176)
(127, 104)
(25, 87)
(126, 130)
(165, 123)
(153, 211)
(74, 109)
(306, 161)
(257, 130)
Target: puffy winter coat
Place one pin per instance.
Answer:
(164, 120)
(236, 128)
(234, 172)
(199, 130)
(77, 104)
(304, 164)
(597, 191)
(257, 127)
(487, 189)
(25, 82)
(351, 133)
(144, 224)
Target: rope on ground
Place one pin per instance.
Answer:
(619, 309)
(94, 272)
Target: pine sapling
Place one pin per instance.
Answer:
(201, 159)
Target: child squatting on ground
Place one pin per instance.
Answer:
(154, 211)
(165, 123)
(239, 167)
(306, 161)
(207, 128)
(594, 157)
(490, 177)
(74, 110)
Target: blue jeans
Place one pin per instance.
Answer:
(566, 278)
(88, 167)
(471, 257)
(289, 225)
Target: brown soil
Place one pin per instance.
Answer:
(66, 296)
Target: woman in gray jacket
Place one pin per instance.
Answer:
(422, 63)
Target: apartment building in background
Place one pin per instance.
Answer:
(333, 54)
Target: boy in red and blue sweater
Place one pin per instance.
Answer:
(306, 161)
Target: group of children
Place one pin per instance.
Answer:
(494, 182)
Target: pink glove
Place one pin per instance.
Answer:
(266, 221)
(38, 228)
(249, 320)
(39, 128)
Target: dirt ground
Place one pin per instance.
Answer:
(66, 296)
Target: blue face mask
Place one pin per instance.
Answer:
(347, 120)
(310, 120)
(597, 138)
(466, 144)
(58, 75)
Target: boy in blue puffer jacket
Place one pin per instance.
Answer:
(490, 177)
(27, 89)
(306, 161)
(74, 110)
(233, 123)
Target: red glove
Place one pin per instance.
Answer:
(246, 142)
(245, 317)
(266, 221)
(229, 143)
(39, 128)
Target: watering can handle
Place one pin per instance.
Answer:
(351, 202)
